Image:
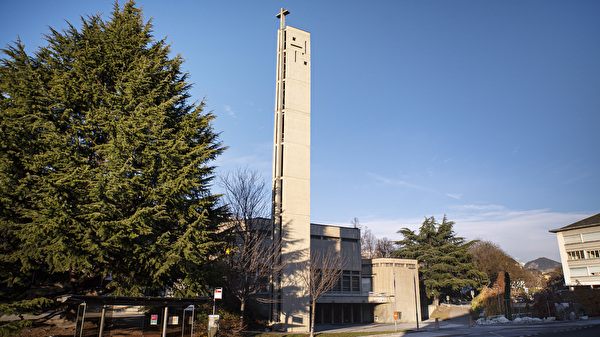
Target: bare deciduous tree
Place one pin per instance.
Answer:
(246, 196)
(384, 248)
(370, 246)
(251, 264)
(368, 243)
(356, 223)
(323, 274)
(491, 259)
(251, 252)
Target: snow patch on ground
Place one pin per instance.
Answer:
(518, 320)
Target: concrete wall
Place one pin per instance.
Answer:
(291, 176)
(338, 239)
(399, 280)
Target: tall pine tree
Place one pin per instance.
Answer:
(105, 166)
(445, 265)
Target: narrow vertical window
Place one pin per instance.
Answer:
(281, 164)
(282, 126)
(284, 64)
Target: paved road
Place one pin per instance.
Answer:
(571, 329)
(586, 328)
(584, 331)
(458, 325)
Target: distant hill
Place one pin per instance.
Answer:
(542, 264)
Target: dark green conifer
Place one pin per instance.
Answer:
(105, 165)
(445, 265)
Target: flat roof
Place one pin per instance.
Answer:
(138, 301)
(337, 226)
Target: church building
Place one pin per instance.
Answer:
(377, 290)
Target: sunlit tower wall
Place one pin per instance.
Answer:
(291, 176)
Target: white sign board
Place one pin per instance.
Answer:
(218, 293)
(213, 321)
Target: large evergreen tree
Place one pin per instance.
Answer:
(445, 265)
(104, 164)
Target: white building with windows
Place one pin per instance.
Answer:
(579, 246)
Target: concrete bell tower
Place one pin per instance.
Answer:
(291, 176)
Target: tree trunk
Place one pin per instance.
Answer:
(313, 307)
(242, 308)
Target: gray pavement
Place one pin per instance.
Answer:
(460, 327)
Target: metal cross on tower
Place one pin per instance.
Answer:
(281, 15)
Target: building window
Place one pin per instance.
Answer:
(349, 240)
(593, 254)
(367, 284)
(349, 282)
(338, 286)
(346, 283)
(575, 255)
(355, 283)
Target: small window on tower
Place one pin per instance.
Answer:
(293, 38)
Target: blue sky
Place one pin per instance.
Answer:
(486, 111)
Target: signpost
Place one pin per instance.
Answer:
(397, 316)
(217, 296)
(213, 320)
